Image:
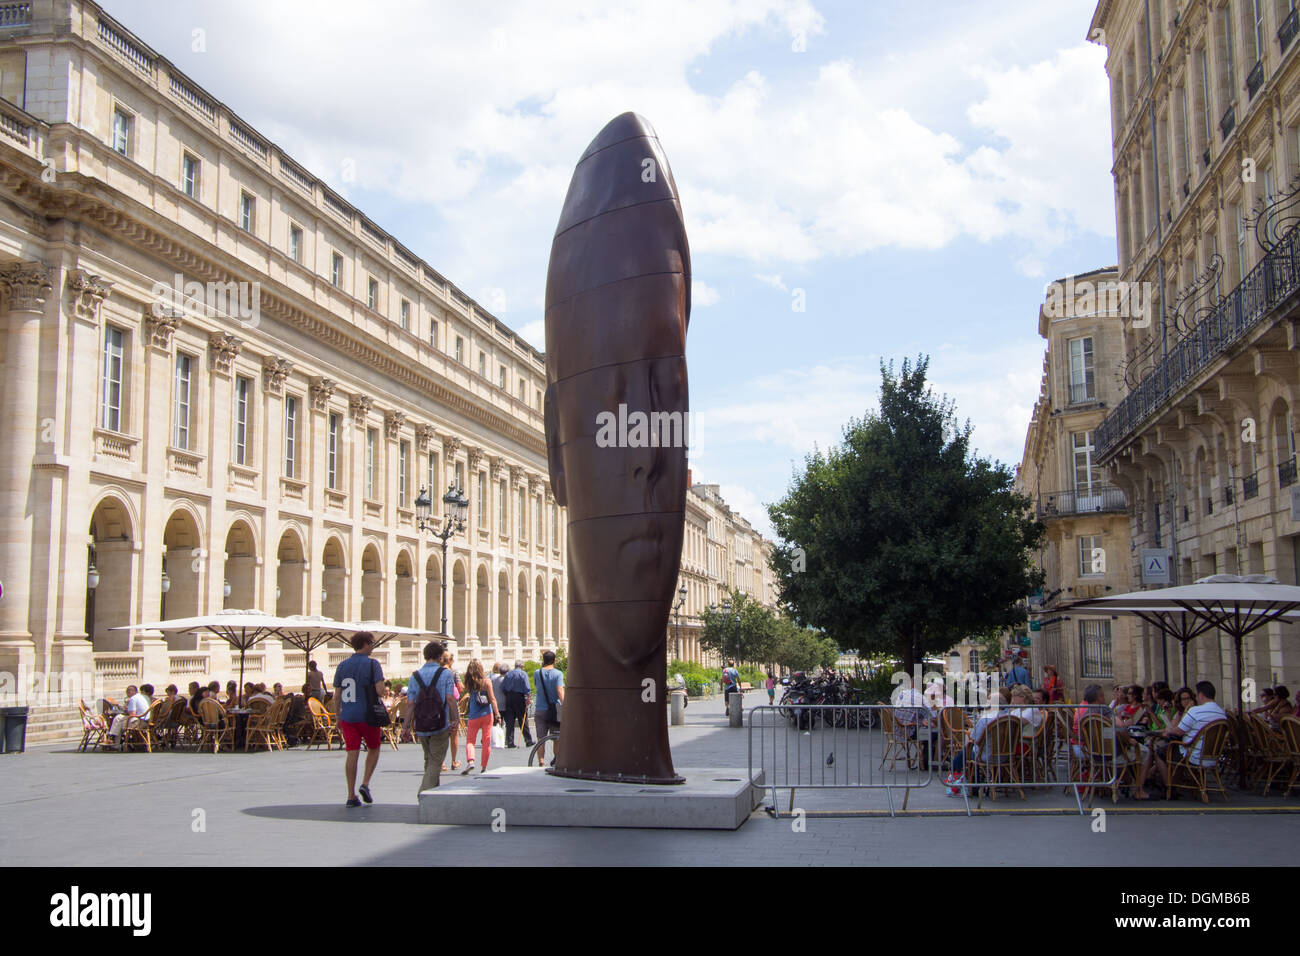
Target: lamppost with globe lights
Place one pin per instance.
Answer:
(677, 611)
(455, 507)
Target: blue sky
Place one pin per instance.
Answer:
(919, 171)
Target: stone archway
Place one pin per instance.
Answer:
(555, 613)
(539, 611)
(482, 605)
(459, 601)
(503, 606)
(524, 632)
(334, 579)
(111, 554)
(241, 567)
(404, 612)
(372, 585)
(433, 595)
(290, 575)
(183, 564)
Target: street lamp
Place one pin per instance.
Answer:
(677, 610)
(225, 589)
(455, 506)
(726, 612)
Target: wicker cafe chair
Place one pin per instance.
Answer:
(1041, 751)
(264, 725)
(1273, 754)
(172, 722)
(1290, 727)
(897, 741)
(953, 731)
(1100, 763)
(323, 727)
(94, 729)
(393, 732)
(144, 728)
(1213, 739)
(189, 728)
(1001, 736)
(216, 726)
(1242, 754)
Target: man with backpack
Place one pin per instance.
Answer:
(730, 685)
(432, 692)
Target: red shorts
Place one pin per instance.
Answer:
(354, 733)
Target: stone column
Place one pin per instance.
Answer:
(26, 286)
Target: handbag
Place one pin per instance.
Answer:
(376, 712)
(552, 706)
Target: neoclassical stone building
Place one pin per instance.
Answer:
(1086, 551)
(1206, 140)
(224, 387)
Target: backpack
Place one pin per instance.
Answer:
(430, 713)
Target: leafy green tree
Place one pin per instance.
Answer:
(900, 540)
(746, 634)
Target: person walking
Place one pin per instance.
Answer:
(771, 689)
(1018, 674)
(518, 690)
(449, 659)
(315, 681)
(730, 685)
(499, 672)
(433, 719)
(353, 681)
(483, 714)
(549, 684)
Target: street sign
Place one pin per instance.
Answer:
(1034, 626)
(1155, 565)
(1024, 641)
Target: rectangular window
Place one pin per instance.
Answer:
(332, 463)
(190, 176)
(460, 350)
(290, 437)
(460, 476)
(246, 210)
(522, 386)
(521, 505)
(1205, 97)
(555, 526)
(481, 501)
(243, 393)
(1259, 30)
(1082, 382)
(1186, 133)
(482, 364)
(1230, 56)
(1241, 244)
(405, 314)
(501, 377)
(1094, 648)
(403, 450)
(503, 512)
(181, 401)
(1087, 477)
(538, 538)
(372, 293)
(433, 476)
(295, 243)
(110, 401)
(1092, 557)
(336, 271)
(539, 399)
(433, 333)
(122, 123)
(372, 442)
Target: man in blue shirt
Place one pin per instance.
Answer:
(517, 691)
(550, 694)
(1018, 674)
(350, 682)
(433, 675)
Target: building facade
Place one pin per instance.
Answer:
(1086, 549)
(226, 387)
(1206, 142)
(721, 551)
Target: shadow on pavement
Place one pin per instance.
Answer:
(338, 813)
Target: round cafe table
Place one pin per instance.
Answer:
(241, 715)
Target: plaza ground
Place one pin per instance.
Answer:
(62, 808)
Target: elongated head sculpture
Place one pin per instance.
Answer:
(617, 305)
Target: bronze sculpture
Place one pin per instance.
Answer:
(618, 299)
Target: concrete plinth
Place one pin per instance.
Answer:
(711, 799)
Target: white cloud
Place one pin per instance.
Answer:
(703, 295)
(773, 280)
(750, 507)
(535, 334)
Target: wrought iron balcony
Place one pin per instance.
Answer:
(1250, 486)
(1255, 79)
(1269, 285)
(1286, 474)
(1289, 28)
(1228, 123)
(1063, 504)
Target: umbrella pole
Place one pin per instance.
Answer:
(1184, 663)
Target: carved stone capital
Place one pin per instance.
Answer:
(534, 484)
(322, 390)
(393, 423)
(494, 468)
(424, 435)
(160, 328)
(450, 445)
(26, 285)
(88, 294)
(518, 476)
(275, 370)
(225, 347)
(359, 406)
(475, 458)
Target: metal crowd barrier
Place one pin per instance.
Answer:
(881, 747)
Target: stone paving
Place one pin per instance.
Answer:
(61, 808)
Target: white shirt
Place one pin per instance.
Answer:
(1196, 718)
(910, 706)
(138, 705)
(1031, 714)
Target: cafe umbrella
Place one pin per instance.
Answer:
(1236, 605)
(307, 632)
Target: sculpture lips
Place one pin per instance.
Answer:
(617, 306)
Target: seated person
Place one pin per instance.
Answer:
(1282, 706)
(1206, 711)
(976, 745)
(1021, 699)
(1266, 703)
(136, 707)
(232, 695)
(1129, 712)
(278, 689)
(1091, 705)
(913, 718)
(259, 692)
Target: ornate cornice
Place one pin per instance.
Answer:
(275, 370)
(393, 423)
(225, 347)
(322, 390)
(88, 294)
(26, 285)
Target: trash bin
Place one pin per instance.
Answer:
(13, 722)
(736, 702)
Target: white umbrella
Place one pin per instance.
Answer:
(1237, 605)
(383, 632)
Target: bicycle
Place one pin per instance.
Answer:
(537, 747)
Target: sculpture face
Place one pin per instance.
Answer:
(617, 306)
